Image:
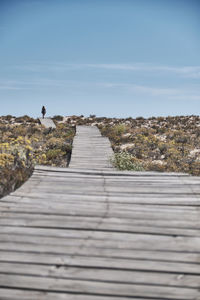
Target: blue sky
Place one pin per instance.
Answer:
(114, 58)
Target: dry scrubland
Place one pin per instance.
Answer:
(24, 143)
(158, 144)
(170, 144)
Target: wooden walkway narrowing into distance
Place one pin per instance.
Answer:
(90, 149)
(98, 234)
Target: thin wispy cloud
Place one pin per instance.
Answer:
(81, 56)
(190, 93)
(10, 85)
(185, 71)
(10, 88)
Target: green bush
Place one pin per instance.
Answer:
(119, 129)
(28, 143)
(54, 154)
(125, 161)
(58, 118)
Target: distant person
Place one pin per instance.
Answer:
(43, 111)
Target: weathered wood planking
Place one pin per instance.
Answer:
(47, 122)
(90, 149)
(89, 232)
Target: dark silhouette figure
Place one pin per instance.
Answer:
(43, 111)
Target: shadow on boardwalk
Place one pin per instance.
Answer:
(90, 232)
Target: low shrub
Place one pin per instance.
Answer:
(125, 161)
(119, 129)
(57, 118)
(169, 144)
(26, 144)
(16, 164)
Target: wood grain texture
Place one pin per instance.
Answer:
(89, 232)
(90, 149)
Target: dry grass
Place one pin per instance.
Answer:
(158, 144)
(170, 144)
(24, 143)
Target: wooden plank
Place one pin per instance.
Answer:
(21, 294)
(76, 260)
(186, 204)
(91, 242)
(47, 122)
(103, 252)
(95, 287)
(102, 275)
(94, 202)
(72, 210)
(43, 220)
(102, 226)
(97, 201)
(90, 149)
(92, 232)
(110, 239)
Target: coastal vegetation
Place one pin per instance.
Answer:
(169, 144)
(164, 144)
(24, 143)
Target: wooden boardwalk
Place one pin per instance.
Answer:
(90, 149)
(47, 122)
(83, 234)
